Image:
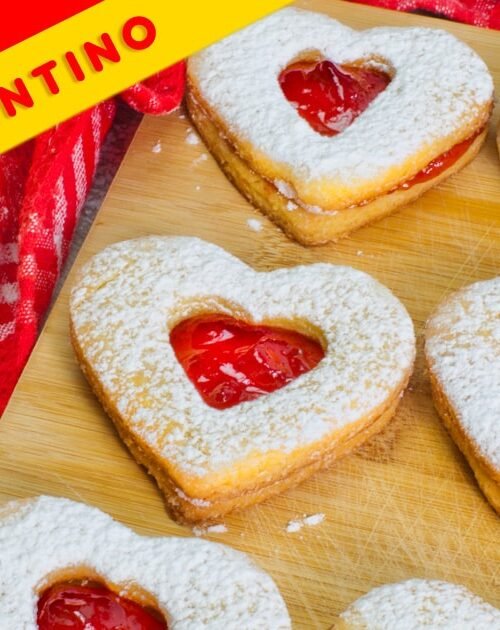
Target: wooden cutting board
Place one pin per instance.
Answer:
(406, 505)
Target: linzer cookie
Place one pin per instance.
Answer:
(463, 356)
(231, 385)
(68, 565)
(326, 129)
(417, 605)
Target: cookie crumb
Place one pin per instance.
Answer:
(359, 252)
(201, 158)
(314, 519)
(294, 526)
(211, 529)
(254, 224)
(191, 137)
(310, 520)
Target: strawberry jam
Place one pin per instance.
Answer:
(441, 163)
(230, 361)
(329, 96)
(73, 607)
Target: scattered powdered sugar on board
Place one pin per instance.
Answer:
(201, 158)
(254, 224)
(291, 206)
(157, 148)
(211, 529)
(192, 137)
(297, 524)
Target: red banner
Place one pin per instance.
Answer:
(21, 19)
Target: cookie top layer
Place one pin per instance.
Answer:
(130, 296)
(463, 351)
(197, 584)
(439, 88)
(417, 604)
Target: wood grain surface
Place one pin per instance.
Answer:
(406, 505)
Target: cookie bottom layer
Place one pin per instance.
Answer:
(304, 226)
(192, 510)
(487, 477)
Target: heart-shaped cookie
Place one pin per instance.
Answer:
(463, 356)
(417, 605)
(207, 461)
(191, 583)
(429, 112)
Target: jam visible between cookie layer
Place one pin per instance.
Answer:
(231, 361)
(439, 164)
(73, 607)
(329, 96)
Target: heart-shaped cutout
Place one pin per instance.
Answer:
(46, 542)
(330, 96)
(209, 461)
(463, 356)
(419, 604)
(79, 607)
(231, 361)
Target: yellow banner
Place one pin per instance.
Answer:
(98, 53)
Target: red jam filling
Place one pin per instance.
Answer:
(231, 361)
(72, 607)
(441, 163)
(329, 96)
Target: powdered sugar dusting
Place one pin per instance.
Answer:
(211, 529)
(285, 189)
(193, 501)
(437, 87)
(192, 137)
(418, 604)
(196, 583)
(203, 157)
(157, 148)
(314, 519)
(129, 296)
(255, 225)
(297, 524)
(463, 351)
